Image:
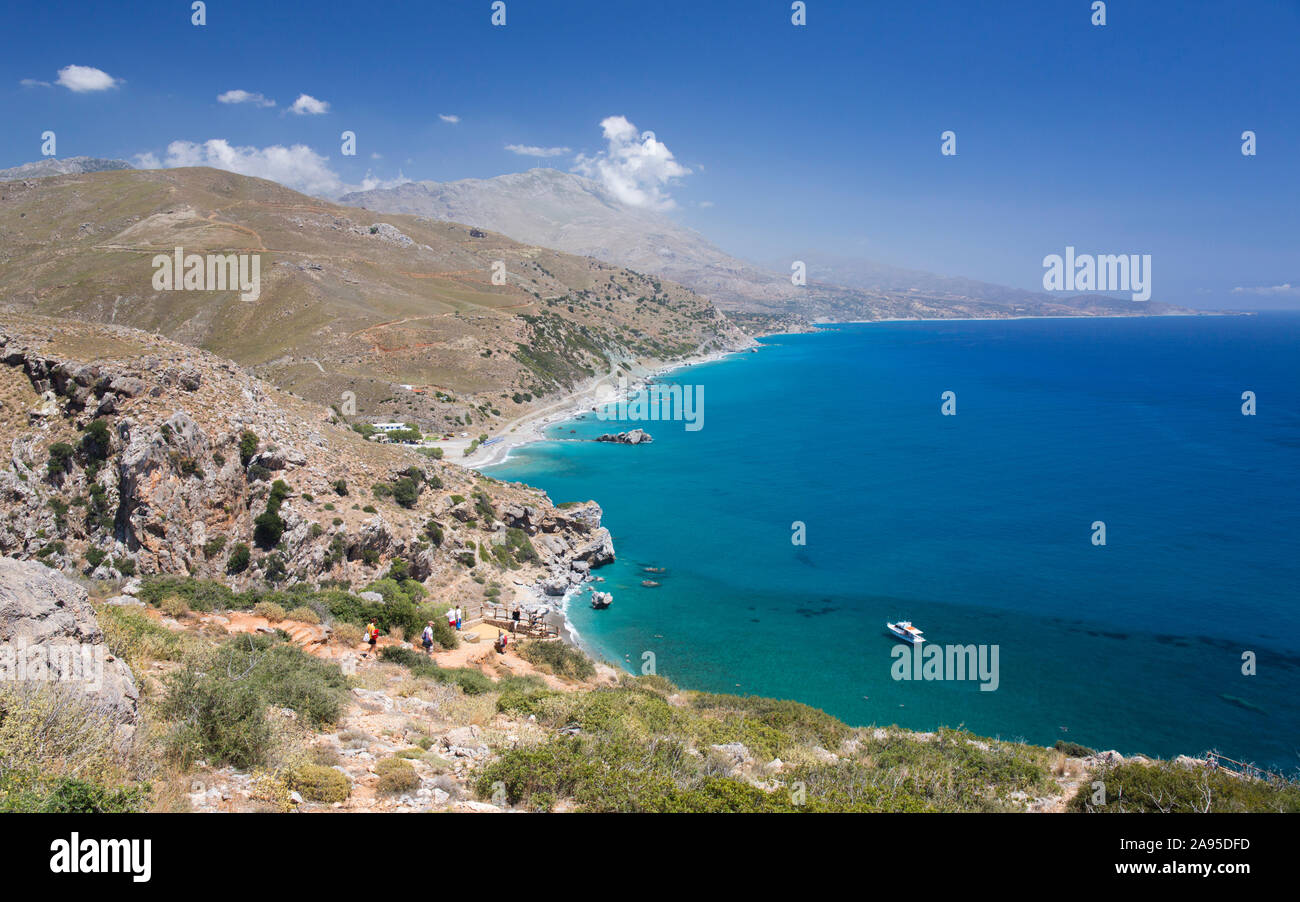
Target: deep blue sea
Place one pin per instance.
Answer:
(977, 527)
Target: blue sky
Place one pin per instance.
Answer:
(798, 140)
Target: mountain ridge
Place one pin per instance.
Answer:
(67, 166)
(577, 215)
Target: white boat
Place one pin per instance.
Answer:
(904, 630)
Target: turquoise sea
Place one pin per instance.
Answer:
(978, 527)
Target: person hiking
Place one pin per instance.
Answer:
(451, 616)
(372, 636)
(502, 641)
(459, 616)
(426, 638)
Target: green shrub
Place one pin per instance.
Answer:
(95, 441)
(60, 458)
(174, 606)
(268, 527)
(270, 610)
(318, 783)
(50, 735)
(303, 614)
(248, 443)
(396, 775)
(238, 560)
(522, 696)
(216, 717)
(1167, 787)
(560, 659)
(521, 547)
(1072, 749)
(349, 633)
(406, 492)
(199, 594)
(133, 636)
(73, 796)
(471, 682)
(217, 702)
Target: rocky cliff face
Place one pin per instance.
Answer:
(153, 457)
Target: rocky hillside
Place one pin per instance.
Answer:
(243, 705)
(131, 453)
(578, 215)
(393, 317)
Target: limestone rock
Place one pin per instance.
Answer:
(42, 609)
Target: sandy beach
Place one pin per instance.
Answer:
(532, 426)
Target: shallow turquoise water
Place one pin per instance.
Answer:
(975, 526)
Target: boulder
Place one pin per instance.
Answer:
(596, 551)
(47, 618)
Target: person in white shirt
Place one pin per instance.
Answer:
(459, 616)
(451, 617)
(426, 638)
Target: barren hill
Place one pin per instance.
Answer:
(349, 301)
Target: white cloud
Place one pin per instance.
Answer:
(449, 117)
(530, 150)
(297, 167)
(1284, 289)
(83, 79)
(370, 182)
(705, 204)
(635, 167)
(239, 96)
(306, 105)
(35, 83)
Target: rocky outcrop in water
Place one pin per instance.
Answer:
(631, 437)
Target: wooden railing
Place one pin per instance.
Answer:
(1214, 760)
(530, 623)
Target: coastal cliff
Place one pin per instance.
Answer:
(150, 457)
